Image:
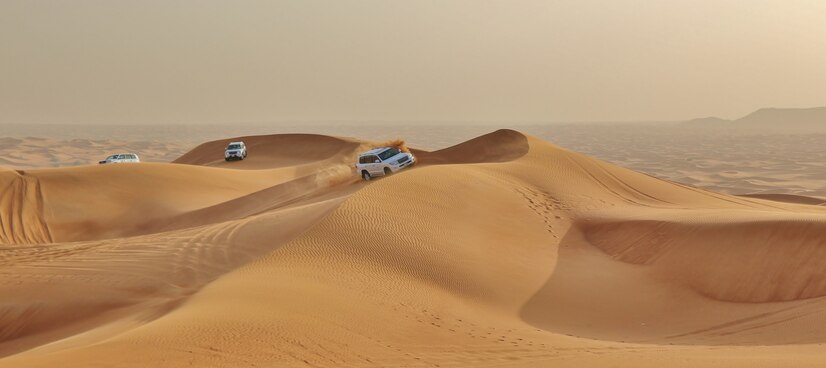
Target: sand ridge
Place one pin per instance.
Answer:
(502, 251)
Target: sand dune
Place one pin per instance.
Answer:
(502, 251)
(272, 151)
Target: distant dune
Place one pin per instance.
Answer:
(503, 251)
(40, 152)
(711, 121)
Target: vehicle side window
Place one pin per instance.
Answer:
(363, 159)
(133, 157)
(374, 159)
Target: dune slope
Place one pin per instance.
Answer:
(21, 202)
(502, 251)
(270, 151)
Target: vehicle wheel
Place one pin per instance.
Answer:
(387, 171)
(226, 159)
(366, 175)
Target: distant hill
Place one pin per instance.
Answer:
(814, 117)
(708, 121)
(808, 119)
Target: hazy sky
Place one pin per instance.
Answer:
(208, 61)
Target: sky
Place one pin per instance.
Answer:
(236, 62)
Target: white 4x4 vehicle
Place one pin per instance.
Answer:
(235, 151)
(383, 161)
(120, 158)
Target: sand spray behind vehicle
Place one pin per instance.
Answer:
(398, 143)
(343, 170)
(335, 174)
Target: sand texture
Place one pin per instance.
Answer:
(502, 251)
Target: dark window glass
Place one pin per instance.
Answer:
(389, 153)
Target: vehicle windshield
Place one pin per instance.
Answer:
(389, 153)
(234, 146)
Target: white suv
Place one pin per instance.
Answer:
(120, 158)
(383, 161)
(235, 151)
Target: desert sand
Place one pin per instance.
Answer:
(502, 251)
(41, 152)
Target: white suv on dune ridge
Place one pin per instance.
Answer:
(383, 161)
(121, 158)
(235, 151)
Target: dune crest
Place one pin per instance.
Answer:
(271, 151)
(500, 146)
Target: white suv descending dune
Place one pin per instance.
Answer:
(235, 151)
(383, 161)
